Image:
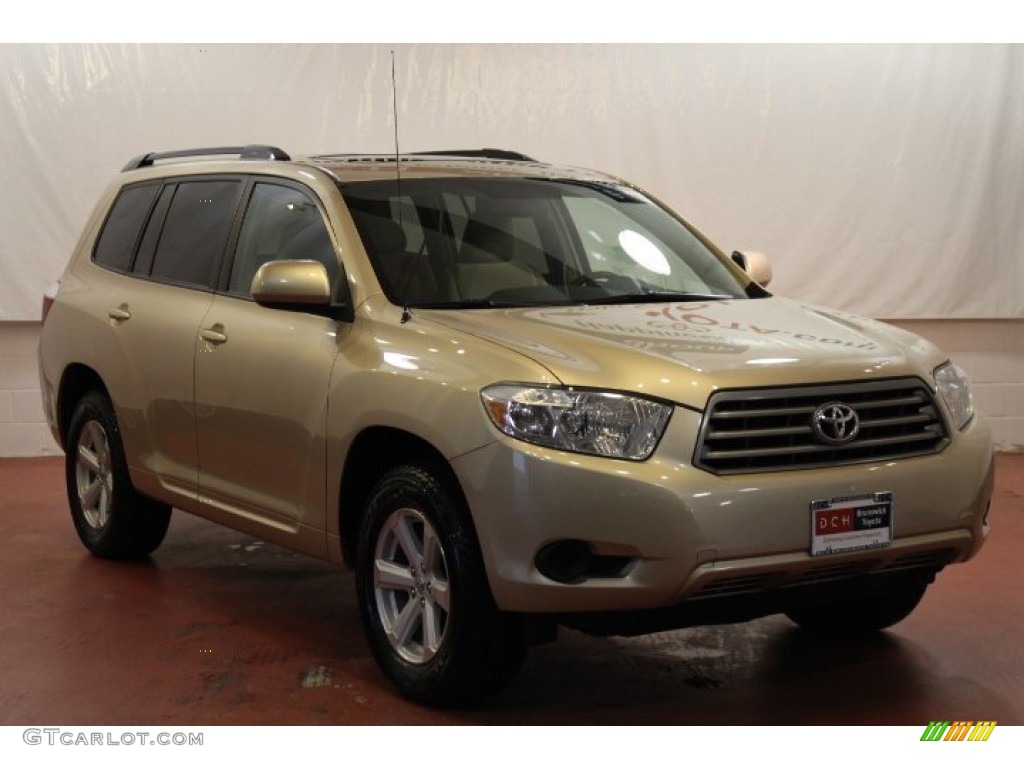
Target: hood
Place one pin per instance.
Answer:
(683, 352)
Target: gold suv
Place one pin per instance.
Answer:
(511, 395)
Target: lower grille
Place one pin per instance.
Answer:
(932, 561)
(935, 560)
(765, 430)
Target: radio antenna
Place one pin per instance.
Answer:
(394, 112)
(406, 314)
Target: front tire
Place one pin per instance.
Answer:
(111, 518)
(870, 614)
(424, 600)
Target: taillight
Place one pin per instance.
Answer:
(48, 297)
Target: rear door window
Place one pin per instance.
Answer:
(195, 231)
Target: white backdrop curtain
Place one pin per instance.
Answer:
(886, 180)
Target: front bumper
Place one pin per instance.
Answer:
(688, 534)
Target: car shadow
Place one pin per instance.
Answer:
(764, 672)
(218, 627)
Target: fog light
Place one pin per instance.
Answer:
(565, 561)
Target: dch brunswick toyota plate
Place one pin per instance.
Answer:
(851, 523)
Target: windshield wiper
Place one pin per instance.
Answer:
(656, 297)
(474, 304)
(484, 304)
(647, 297)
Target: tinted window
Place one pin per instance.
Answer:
(121, 231)
(144, 259)
(195, 231)
(280, 223)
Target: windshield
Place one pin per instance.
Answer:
(468, 242)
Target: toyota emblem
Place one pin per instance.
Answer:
(835, 424)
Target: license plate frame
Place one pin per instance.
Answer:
(847, 524)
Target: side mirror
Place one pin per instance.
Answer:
(755, 264)
(287, 283)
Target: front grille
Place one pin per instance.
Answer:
(764, 430)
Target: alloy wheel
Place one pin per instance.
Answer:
(410, 585)
(94, 475)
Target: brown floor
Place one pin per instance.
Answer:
(218, 629)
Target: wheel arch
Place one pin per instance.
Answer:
(373, 452)
(76, 381)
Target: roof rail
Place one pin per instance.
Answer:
(489, 153)
(248, 152)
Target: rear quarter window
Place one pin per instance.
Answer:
(116, 243)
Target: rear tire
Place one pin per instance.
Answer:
(869, 614)
(111, 518)
(424, 600)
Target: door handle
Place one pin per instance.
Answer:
(213, 335)
(119, 314)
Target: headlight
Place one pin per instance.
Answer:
(599, 423)
(952, 383)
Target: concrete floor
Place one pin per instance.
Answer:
(219, 629)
